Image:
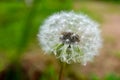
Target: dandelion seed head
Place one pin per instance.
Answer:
(70, 37)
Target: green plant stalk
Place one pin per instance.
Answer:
(61, 73)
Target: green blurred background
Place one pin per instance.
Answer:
(21, 57)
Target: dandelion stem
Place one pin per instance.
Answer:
(61, 73)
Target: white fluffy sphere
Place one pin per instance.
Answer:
(70, 37)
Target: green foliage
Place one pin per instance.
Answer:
(112, 77)
(49, 74)
(94, 77)
(19, 24)
(11, 24)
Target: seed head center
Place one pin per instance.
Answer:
(69, 38)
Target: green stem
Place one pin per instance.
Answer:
(61, 73)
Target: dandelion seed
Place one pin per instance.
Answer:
(70, 37)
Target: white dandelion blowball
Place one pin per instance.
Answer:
(70, 37)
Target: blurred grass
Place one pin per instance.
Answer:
(20, 23)
(112, 76)
(109, 76)
(49, 74)
(11, 23)
(14, 17)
